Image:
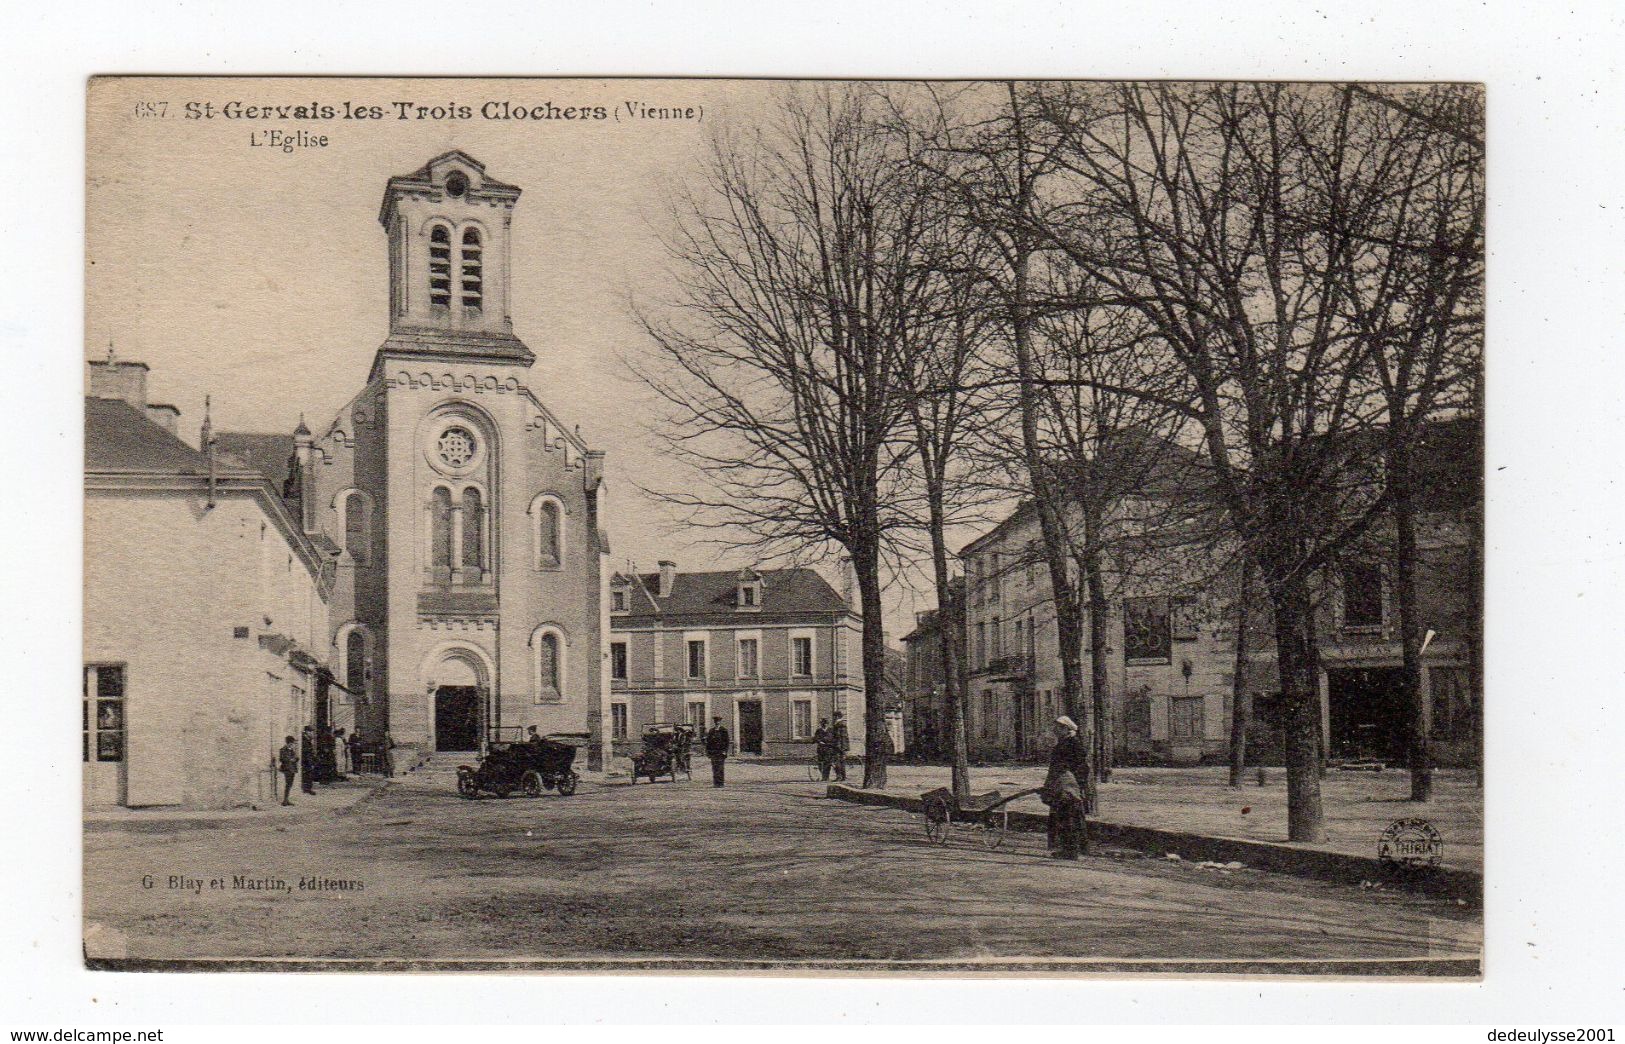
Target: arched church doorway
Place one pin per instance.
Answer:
(458, 706)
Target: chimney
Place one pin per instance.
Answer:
(113, 378)
(165, 416)
(668, 574)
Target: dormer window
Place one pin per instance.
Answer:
(748, 593)
(617, 601)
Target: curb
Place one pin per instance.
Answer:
(135, 823)
(1280, 858)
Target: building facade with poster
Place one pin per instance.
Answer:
(466, 515)
(770, 652)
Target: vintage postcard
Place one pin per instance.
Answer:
(1011, 528)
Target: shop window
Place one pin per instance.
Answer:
(102, 725)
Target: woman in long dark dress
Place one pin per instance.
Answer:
(1064, 792)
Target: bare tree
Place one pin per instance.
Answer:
(950, 352)
(1203, 208)
(801, 268)
(1413, 283)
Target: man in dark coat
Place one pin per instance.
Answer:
(716, 748)
(287, 760)
(307, 759)
(843, 743)
(825, 740)
(1064, 792)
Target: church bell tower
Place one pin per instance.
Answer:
(449, 261)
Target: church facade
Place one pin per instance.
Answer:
(464, 516)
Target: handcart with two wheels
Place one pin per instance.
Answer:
(988, 814)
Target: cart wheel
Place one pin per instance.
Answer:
(938, 820)
(530, 784)
(465, 783)
(993, 827)
(567, 784)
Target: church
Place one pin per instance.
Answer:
(463, 517)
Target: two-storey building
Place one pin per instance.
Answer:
(206, 615)
(771, 652)
(1172, 614)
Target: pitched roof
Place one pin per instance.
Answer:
(700, 594)
(119, 437)
(265, 452)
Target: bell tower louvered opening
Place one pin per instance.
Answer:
(440, 269)
(472, 275)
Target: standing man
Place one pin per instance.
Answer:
(843, 743)
(307, 759)
(716, 748)
(1064, 794)
(825, 739)
(288, 761)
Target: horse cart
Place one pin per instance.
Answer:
(527, 768)
(988, 814)
(666, 752)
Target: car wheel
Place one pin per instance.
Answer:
(530, 784)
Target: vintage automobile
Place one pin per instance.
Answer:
(665, 751)
(528, 768)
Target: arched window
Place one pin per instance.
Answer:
(472, 278)
(355, 663)
(440, 529)
(548, 645)
(473, 530)
(547, 667)
(440, 267)
(547, 534)
(357, 540)
(548, 513)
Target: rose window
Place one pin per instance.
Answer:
(456, 447)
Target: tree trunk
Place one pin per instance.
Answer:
(1241, 699)
(876, 745)
(1410, 623)
(950, 624)
(1099, 673)
(1299, 664)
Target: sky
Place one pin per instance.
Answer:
(258, 276)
